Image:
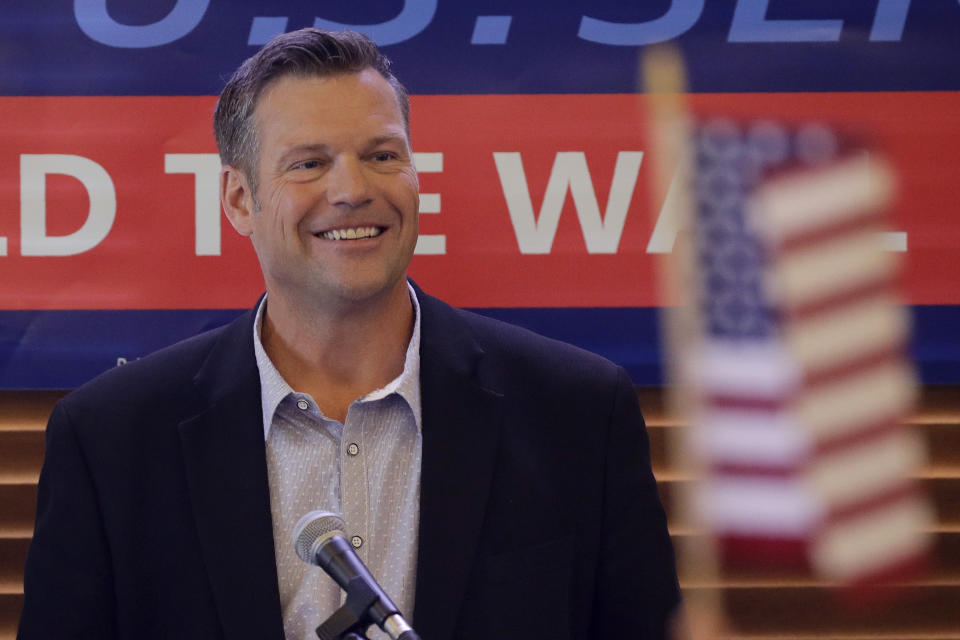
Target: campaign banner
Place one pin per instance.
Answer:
(530, 138)
(118, 205)
(112, 203)
(189, 47)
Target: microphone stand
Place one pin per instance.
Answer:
(353, 617)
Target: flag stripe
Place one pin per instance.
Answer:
(802, 202)
(882, 354)
(781, 507)
(854, 475)
(907, 489)
(839, 265)
(752, 438)
(859, 545)
(864, 221)
(832, 443)
(848, 332)
(764, 372)
(856, 402)
(797, 312)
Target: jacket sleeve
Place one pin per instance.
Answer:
(637, 590)
(68, 582)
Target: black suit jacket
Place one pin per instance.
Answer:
(539, 517)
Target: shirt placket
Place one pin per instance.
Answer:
(353, 479)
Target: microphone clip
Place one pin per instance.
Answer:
(353, 617)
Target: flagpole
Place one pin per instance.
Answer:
(670, 126)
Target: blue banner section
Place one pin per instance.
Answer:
(64, 349)
(936, 343)
(189, 47)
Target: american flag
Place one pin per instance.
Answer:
(797, 364)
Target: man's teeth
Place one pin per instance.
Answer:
(352, 234)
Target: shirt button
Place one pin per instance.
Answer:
(303, 405)
(353, 449)
(356, 541)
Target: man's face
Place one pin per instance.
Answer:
(338, 192)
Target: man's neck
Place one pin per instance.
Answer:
(338, 354)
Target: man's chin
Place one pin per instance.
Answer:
(360, 292)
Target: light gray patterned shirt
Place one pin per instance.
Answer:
(366, 469)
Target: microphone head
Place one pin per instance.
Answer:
(313, 530)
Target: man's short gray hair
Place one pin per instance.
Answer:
(307, 52)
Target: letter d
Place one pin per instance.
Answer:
(34, 240)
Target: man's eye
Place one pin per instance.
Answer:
(307, 164)
(383, 156)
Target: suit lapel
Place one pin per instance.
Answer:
(461, 426)
(225, 462)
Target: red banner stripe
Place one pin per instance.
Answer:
(148, 259)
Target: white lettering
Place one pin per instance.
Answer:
(412, 19)
(678, 19)
(889, 20)
(668, 222)
(895, 241)
(430, 244)
(535, 234)
(206, 199)
(34, 240)
(750, 24)
(95, 21)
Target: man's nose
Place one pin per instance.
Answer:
(347, 183)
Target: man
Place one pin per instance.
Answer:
(497, 483)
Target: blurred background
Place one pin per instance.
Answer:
(546, 200)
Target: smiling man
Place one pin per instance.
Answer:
(496, 483)
(331, 209)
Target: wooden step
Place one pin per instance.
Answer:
(818, 612)
(18, 510)
(21, 456)
(13, 555)
(26, 410)
(942, 568)
(941, 440)
(10, 606)
(944, 495)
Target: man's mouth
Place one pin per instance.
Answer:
(351, 233)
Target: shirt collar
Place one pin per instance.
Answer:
(273, 388)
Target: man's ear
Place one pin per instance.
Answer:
(237, 199)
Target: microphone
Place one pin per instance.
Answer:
(319, 540)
